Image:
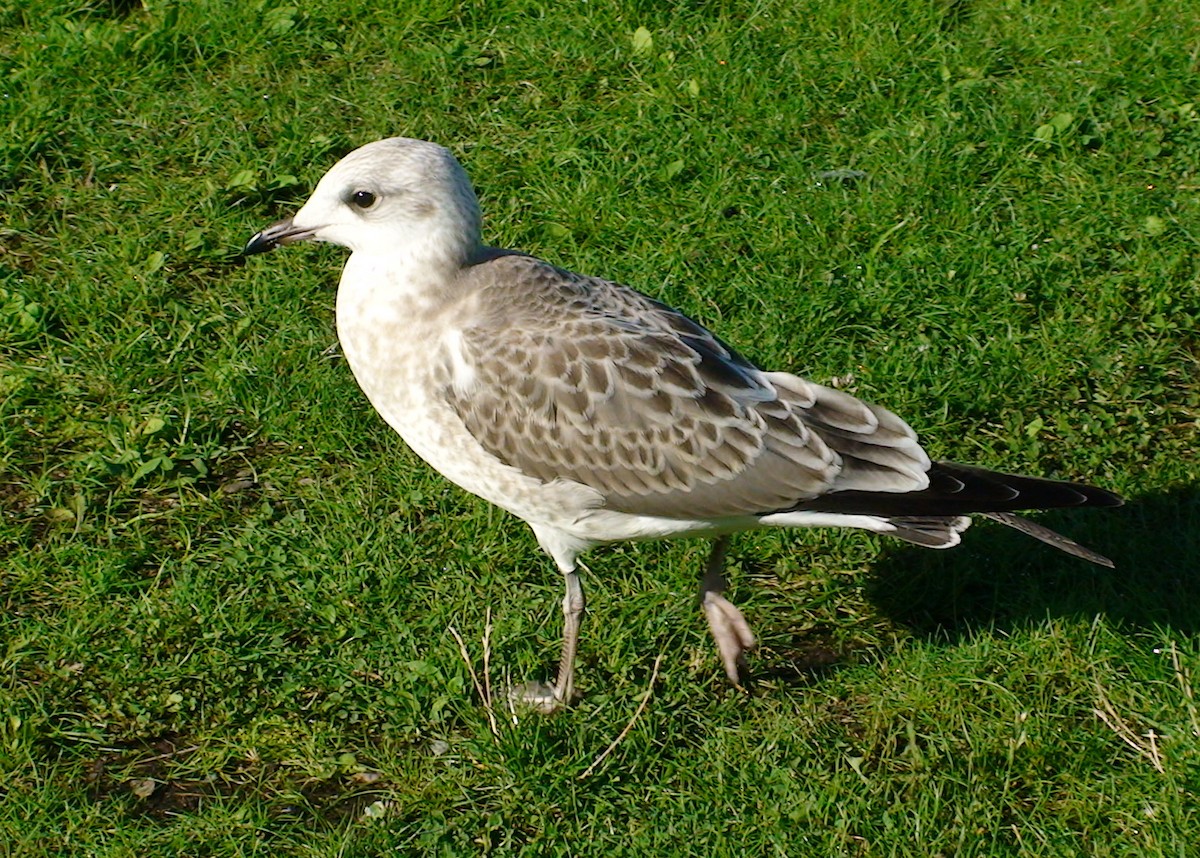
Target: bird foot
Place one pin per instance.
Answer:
(731, 632)
(538, 696)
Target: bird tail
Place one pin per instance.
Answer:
(935, 516)
(1048, 536)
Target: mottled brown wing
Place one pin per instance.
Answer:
(581, 379)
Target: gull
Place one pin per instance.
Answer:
(597, 414)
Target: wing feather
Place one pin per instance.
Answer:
(582, 379)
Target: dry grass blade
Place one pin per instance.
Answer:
(487, 670)
(1145, 744)
(625, 732)
(1183, 675)
(484, 688)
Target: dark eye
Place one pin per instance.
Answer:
(362, 199)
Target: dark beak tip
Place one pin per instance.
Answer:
(260, 243)
(283, 232)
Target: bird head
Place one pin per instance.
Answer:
(393, 196)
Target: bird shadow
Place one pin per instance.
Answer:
(1001, 580)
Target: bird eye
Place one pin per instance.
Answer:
(362, 199)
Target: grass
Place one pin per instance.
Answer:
(226, 588)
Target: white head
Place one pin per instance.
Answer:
(396, 197)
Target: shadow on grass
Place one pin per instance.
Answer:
(1000, 579)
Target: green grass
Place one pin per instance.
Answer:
(226, 588)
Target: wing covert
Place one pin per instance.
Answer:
(582, 379)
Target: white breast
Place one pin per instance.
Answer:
(404, 356)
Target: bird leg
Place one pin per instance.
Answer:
(729, 628)
(564, 687)
(549, 699)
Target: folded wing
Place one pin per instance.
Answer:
(582, 379)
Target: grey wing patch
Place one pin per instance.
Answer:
(879, 451)
(586, 380)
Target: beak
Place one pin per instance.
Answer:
(284, 232)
